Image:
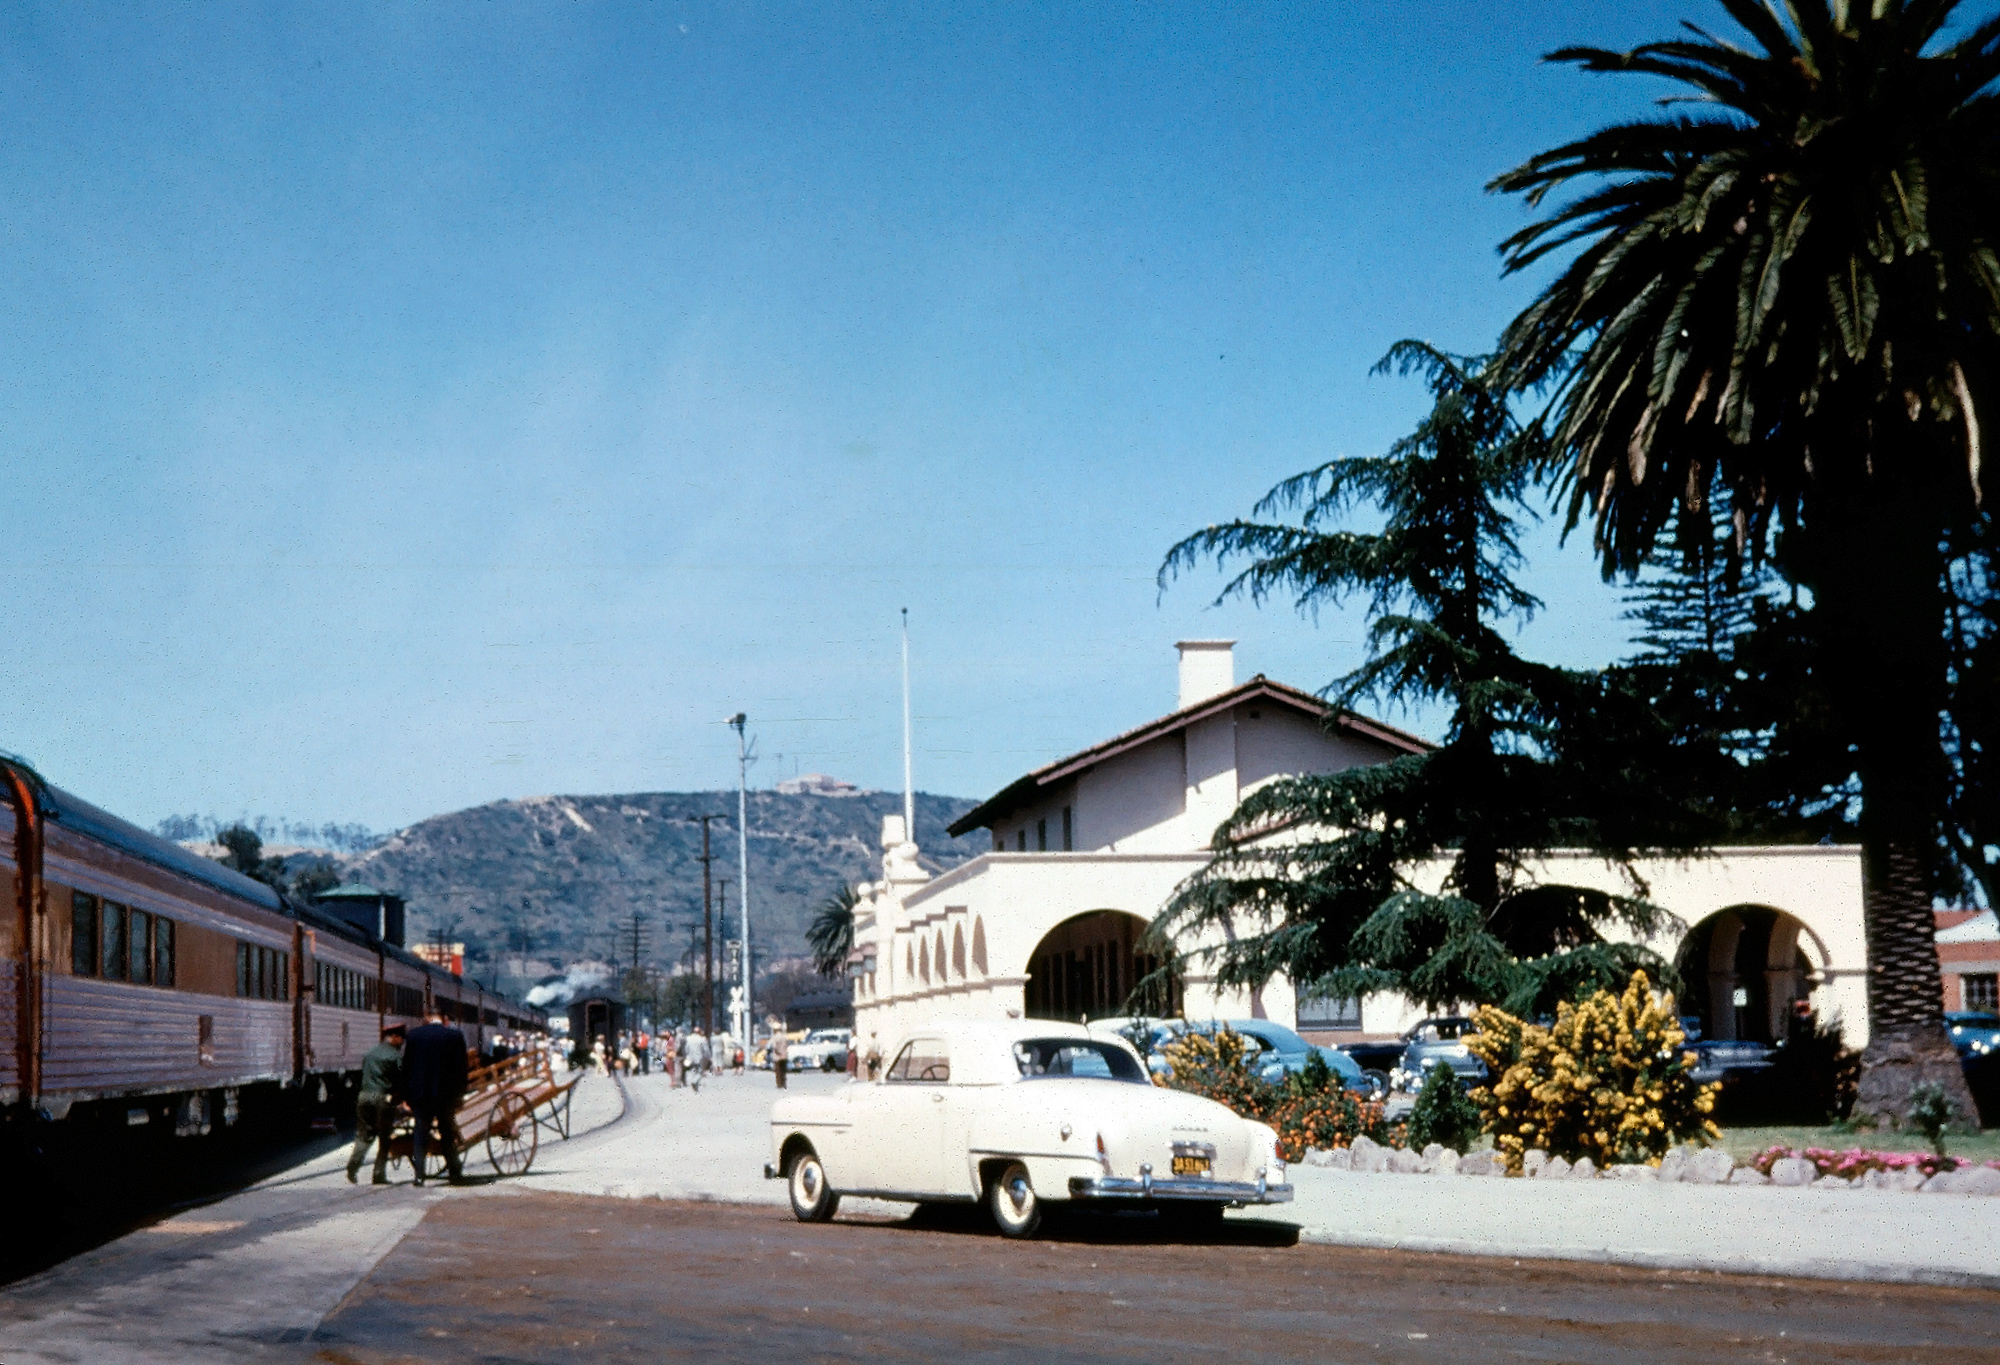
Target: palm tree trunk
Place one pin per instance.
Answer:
(1878, 585)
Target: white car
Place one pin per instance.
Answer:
(1018, 1114)
(824, 1049)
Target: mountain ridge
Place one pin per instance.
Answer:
(533, 884)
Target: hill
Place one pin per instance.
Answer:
(533, 885)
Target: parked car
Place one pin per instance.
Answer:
(1725, 1059)
(1434, 1040)
(825, 1049)
(1020, 1114)
(1284, 1052)
(1974, 1033)
(1279, 1051)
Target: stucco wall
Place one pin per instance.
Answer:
(1009, 901)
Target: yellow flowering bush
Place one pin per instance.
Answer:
(1217, 1066)
(1608, 1080)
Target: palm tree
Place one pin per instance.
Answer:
(1788, 296)
(830, 936)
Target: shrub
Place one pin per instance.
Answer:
(1608, 1080)
(1216, 1066)
(1811, 1080)
(1931, 1111)
(1331, 1119)
(1444, 1113)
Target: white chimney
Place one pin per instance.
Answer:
(1208, 669)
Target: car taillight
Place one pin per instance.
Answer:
(1103, 1157)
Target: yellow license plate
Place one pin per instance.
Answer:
(1191, 1165)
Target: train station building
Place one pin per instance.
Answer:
(1086, 851)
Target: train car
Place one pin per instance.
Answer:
(144, 983)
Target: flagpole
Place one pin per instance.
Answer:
(909, 791)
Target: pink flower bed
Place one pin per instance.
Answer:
(1855, 1162)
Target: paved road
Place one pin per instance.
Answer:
(306, 1267)
(613, 1280)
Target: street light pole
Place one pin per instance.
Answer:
(738, 722)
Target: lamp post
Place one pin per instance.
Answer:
(737, 723)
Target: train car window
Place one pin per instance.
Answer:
(116, 952)
(83, 933)
(243, 969)
(140, 937)
(163, 952)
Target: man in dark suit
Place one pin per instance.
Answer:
(433, 1085)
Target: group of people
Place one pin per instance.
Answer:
(423, 1070)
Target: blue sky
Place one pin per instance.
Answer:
(410, 406)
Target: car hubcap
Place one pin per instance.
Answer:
(809, 1183)
(1018, 1195)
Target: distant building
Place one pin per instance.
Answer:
(833, 1008)
(817, 784)
(450, 956)
(1968, 946)
(1088, 849)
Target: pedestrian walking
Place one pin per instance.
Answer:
(375, 1109)
(781, 1050)
(434, 1075)
(694, 1058)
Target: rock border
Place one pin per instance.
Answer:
(1688, 1165)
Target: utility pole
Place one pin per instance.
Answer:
(707, 932)
(738, 722)
(636, 932)
(721, 913)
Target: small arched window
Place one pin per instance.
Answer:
(958, 951)
(979, 946)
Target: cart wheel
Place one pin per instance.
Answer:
(513, 1137)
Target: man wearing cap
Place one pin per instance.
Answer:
(375, 1111)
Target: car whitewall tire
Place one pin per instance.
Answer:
(813, 1200)
(1011, 1199)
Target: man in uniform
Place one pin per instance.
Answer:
(434, 1074)
(375, 1111)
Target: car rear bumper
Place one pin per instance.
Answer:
(1144, 1188)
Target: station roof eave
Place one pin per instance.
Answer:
(1022, 790)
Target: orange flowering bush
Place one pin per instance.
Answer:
(1333, 1118)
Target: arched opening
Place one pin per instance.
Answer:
(1744, 971)
(937, 956)
(979, 946)
(1085, 967)
(958, 951)
(924, 961)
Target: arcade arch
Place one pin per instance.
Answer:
(1086, 967)
(1745, 968)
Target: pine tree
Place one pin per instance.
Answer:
(1534, 758)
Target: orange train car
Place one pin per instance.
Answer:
(144, 983)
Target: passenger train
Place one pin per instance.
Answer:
(142, 983)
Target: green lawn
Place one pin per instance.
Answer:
(1744, 1143)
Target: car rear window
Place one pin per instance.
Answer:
(1039, 1058)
